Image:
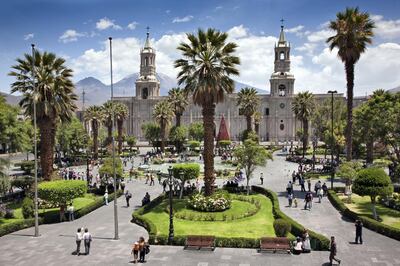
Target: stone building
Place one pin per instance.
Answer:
(278, 122)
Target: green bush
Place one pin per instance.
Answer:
(28, 208)
(282, 227)
(25, 182)
(61, 191)
(108, 169)
(193, 144)
(16, 226)
(9, 214)
(372, 182)
(318, 241)
(224, 143)
(190, 170)
(26, 166)
(369, 223)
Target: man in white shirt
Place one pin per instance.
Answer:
(78, 239)
(70, 210)
(87, 238)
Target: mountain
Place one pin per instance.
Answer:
(97, 93)
(394, 90)
(11, 99)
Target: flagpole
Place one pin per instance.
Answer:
(113, 147)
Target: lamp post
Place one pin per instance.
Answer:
(171, 216)
(315, 144)
(113, 148)
(332, 166)
(35, 142)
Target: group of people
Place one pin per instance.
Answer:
(139, 250)
(303, 244)
(85, 236)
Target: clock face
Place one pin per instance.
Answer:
(282, 105)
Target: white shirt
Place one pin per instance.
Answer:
(87, 236)
(78, 236)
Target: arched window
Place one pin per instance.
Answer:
(282, 127)
(146, 61)
(282, 90)
(145, 93)
(282, 55)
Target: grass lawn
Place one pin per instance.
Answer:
(258, 225)
(78, 204)
(362, 205)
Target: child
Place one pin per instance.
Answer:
(135, 251)
(295, 202)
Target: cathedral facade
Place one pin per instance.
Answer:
(278, 122)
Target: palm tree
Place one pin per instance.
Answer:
(257, 119)
(248, 103)
(207, 63)
(178, 100)
(108, 109)
(94, 115)
(53, 92)
(121, 113)
(163, 114)
(353, 32)
(303, 106)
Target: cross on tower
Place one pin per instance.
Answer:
(282, 20)
(148, 28)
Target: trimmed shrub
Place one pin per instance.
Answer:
(26, 166)
(107, 168)
(28, 208)
(17, 225)
(193, 144)
(215, 203)
(224, 143)
(372, 182)
(62, 191)
(282, 227)
(190, 171)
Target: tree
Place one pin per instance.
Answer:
(163, 114)
(178, 135)
(348, 171)
(250, 155)
(196, 131)
(53, 92)
(121, 113)
(205, 70)
(131, 141)
(248, 103)
(94, 115)
(106, 171)
(185, 172)
(151, 132)
(257, 119)
(373, 182)
(4, 178)
(108, 111)
(303, 106)
(72, 137)
(354, 30)
(178, 100)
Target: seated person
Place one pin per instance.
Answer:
(298, 247)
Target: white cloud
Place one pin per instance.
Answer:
(106, 23)
(319, 36)
(295, 29)
(184, 19)
(29, 36)
(70, 36)
(238, 32)
(132, 25)
(377, 68)
(386, 29)
(218, 8)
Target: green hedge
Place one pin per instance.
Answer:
(369, 223)
(190, 170)
(318, 241)
(61, 192)
(17, 225)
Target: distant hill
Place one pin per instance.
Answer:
(394, 90)
(97, 92)
(11, 99)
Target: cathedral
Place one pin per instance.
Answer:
(278, 122)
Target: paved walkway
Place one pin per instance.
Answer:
(56, 243)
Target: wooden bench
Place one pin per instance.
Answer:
(275, 244)
(200, 242)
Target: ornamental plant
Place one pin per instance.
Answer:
(215, 203)
(61, 192)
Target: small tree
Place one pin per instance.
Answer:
(178, 135)
(196, 131)
(151, 132)
(61, 192)
(373, 182)
(106, 170)
(189, 170)
(250, 155)
(348, 172)
(131, 141)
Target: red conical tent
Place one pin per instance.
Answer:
(223, 133)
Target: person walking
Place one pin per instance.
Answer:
(122, 185)
(151, 180)
(359, 226)
(289, 187)
(78, 239)
(87, 238)
(309, 184)
(333, 251)
(306, 242)
(106, 197)
(70, 210)
(320, 194)
(290, 199)
(142, 249)
(303, 189)
(128, 196)
(135, 251)
(307, 200)
(261, 178)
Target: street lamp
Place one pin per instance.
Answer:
(171, 217)
(332, 166)
(35, 142)
(315, 144)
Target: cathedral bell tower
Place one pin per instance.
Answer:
(282, 81)
(147, 84)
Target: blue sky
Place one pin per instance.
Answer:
(78, 30)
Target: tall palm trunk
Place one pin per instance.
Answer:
(349, 66)
(162, 136)
(178, 117)
(257, 128)
(208, 122)
(305, 136)
(248, 121)
(95, 127)
(370, 151)
(47, 127)
(120, 140)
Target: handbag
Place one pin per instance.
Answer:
(147, 249)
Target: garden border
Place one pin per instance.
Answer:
(369, 223)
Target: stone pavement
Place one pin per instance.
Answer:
(57, 241)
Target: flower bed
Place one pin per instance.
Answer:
(215, 203)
